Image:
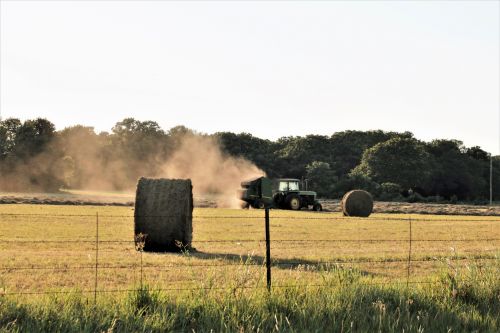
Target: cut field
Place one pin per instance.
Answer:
(117, 198)
(52, 248)
(329, 273)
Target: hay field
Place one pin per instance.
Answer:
(48, 248)
(120, 198)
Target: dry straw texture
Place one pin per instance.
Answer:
(357, 203)
(164, 213)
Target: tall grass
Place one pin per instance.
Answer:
(465, 300)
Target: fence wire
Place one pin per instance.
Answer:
(99, 264)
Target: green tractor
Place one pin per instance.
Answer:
(281, 193)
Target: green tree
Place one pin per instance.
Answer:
(321, 178)
(8, 130)
(403, 161)
(259, 151)
(496, 178)
(138, 140)
(33, 137)
(450, 171)
(29, 160)
(297, 152)
(477, 153)
(347, 147)
(135, 148)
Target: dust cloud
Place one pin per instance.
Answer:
(211, 171)
(79, 159)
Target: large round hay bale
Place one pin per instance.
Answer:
(164, 214)
(357, 203)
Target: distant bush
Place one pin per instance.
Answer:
(390, 192)
(355, 182)
(415, 197)
(480, 202)
(435, 199)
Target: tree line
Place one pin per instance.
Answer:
(391, 165)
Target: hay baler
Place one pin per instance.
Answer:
(281, 193)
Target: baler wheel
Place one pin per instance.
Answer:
(317, 207)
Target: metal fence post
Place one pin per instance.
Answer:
(409, 256)
(268, 251)
(96, 254)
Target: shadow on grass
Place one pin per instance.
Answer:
(293, 263)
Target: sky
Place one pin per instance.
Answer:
(272, 69)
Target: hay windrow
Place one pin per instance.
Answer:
(357, 203)
(164, 213)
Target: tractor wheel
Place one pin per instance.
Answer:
(317, 207)
(258, 204)
(293, 202)
(278, 199)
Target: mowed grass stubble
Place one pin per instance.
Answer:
(53, 247)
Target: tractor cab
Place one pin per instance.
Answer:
(287, 185)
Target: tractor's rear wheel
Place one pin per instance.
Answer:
(258, 204)
(279, 199)
(293, 202)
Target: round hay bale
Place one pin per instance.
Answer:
(357, 203)
(163, 215)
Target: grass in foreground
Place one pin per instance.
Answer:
(455, 302)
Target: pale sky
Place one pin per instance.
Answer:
(269, 68)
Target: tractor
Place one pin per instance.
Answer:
(281, 193)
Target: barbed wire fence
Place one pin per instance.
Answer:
(266, 261)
